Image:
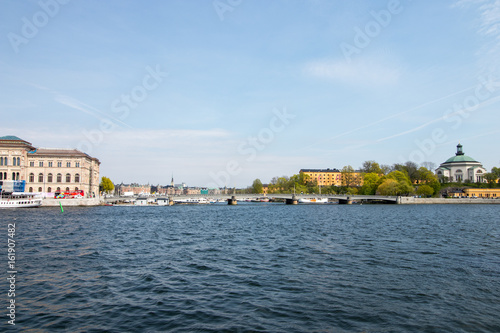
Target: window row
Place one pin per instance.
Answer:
(15, 176)
(50, 164)
(49, 189)
(16, 161)
(50, 178)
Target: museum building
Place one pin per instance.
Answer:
(48, 170)
(461, 168)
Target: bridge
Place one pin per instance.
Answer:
(288, 198)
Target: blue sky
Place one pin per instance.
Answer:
(222, 92)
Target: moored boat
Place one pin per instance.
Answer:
(191, 201)
(313, 200)
(20, 200)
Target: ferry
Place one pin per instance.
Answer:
(12, 195)
(192, 201)
(20, 200)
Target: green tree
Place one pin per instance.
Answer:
(496, 171)
(370, 184)
(257, 187)
(385, 169)
(491, 178)
(371, 167)
(388, 187)
(427, 177)
(348, 177)
(404, 187)
(425, 190)
(106, 185)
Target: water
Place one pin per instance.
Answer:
(256, 268)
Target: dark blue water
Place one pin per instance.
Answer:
(256, 268)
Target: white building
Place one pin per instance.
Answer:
(461, 168)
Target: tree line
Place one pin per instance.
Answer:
(372, 178)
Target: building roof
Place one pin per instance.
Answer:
(319, 170)
(11, 138)
(14, 140)
(61, 153)
(460, 157)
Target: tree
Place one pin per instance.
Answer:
(371, 167)
(257, 187)
(106, 185)
(491, 178)
(388, 187)
(496, 171)
(385, 169)
(427, 177)
(348, 177)
(370, 184)
(411, 169)
(425, 190)
(404, 184)
(429, 165)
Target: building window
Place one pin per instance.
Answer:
(49, 190)
(77, 178)
(40, 190)
(32, 177)
(58, 190)
(68, 178)
(59, 178)
(1, 174)
(67, 189)
(68, 164)
(49, 178)
(40, 178)
(50, 164)
(17, 175)
(1, 161)
(13, 176)
(59, 164)
(40, 164)
(31, 189)
(32, 164)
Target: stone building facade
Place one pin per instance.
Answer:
(48, 170)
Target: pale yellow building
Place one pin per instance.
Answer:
(48, 170)
(482, 192)
(329, 177)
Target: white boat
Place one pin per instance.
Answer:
(313, 200)
(20, 200)
(192, 201)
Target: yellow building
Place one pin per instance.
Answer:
(329, 177)
(48, 170)
(482, 192)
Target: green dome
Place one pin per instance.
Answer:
(460, 158)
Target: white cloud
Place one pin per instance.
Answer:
(366, 72)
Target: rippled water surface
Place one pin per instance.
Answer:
(256, 268)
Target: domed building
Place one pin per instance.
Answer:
(461, 168)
